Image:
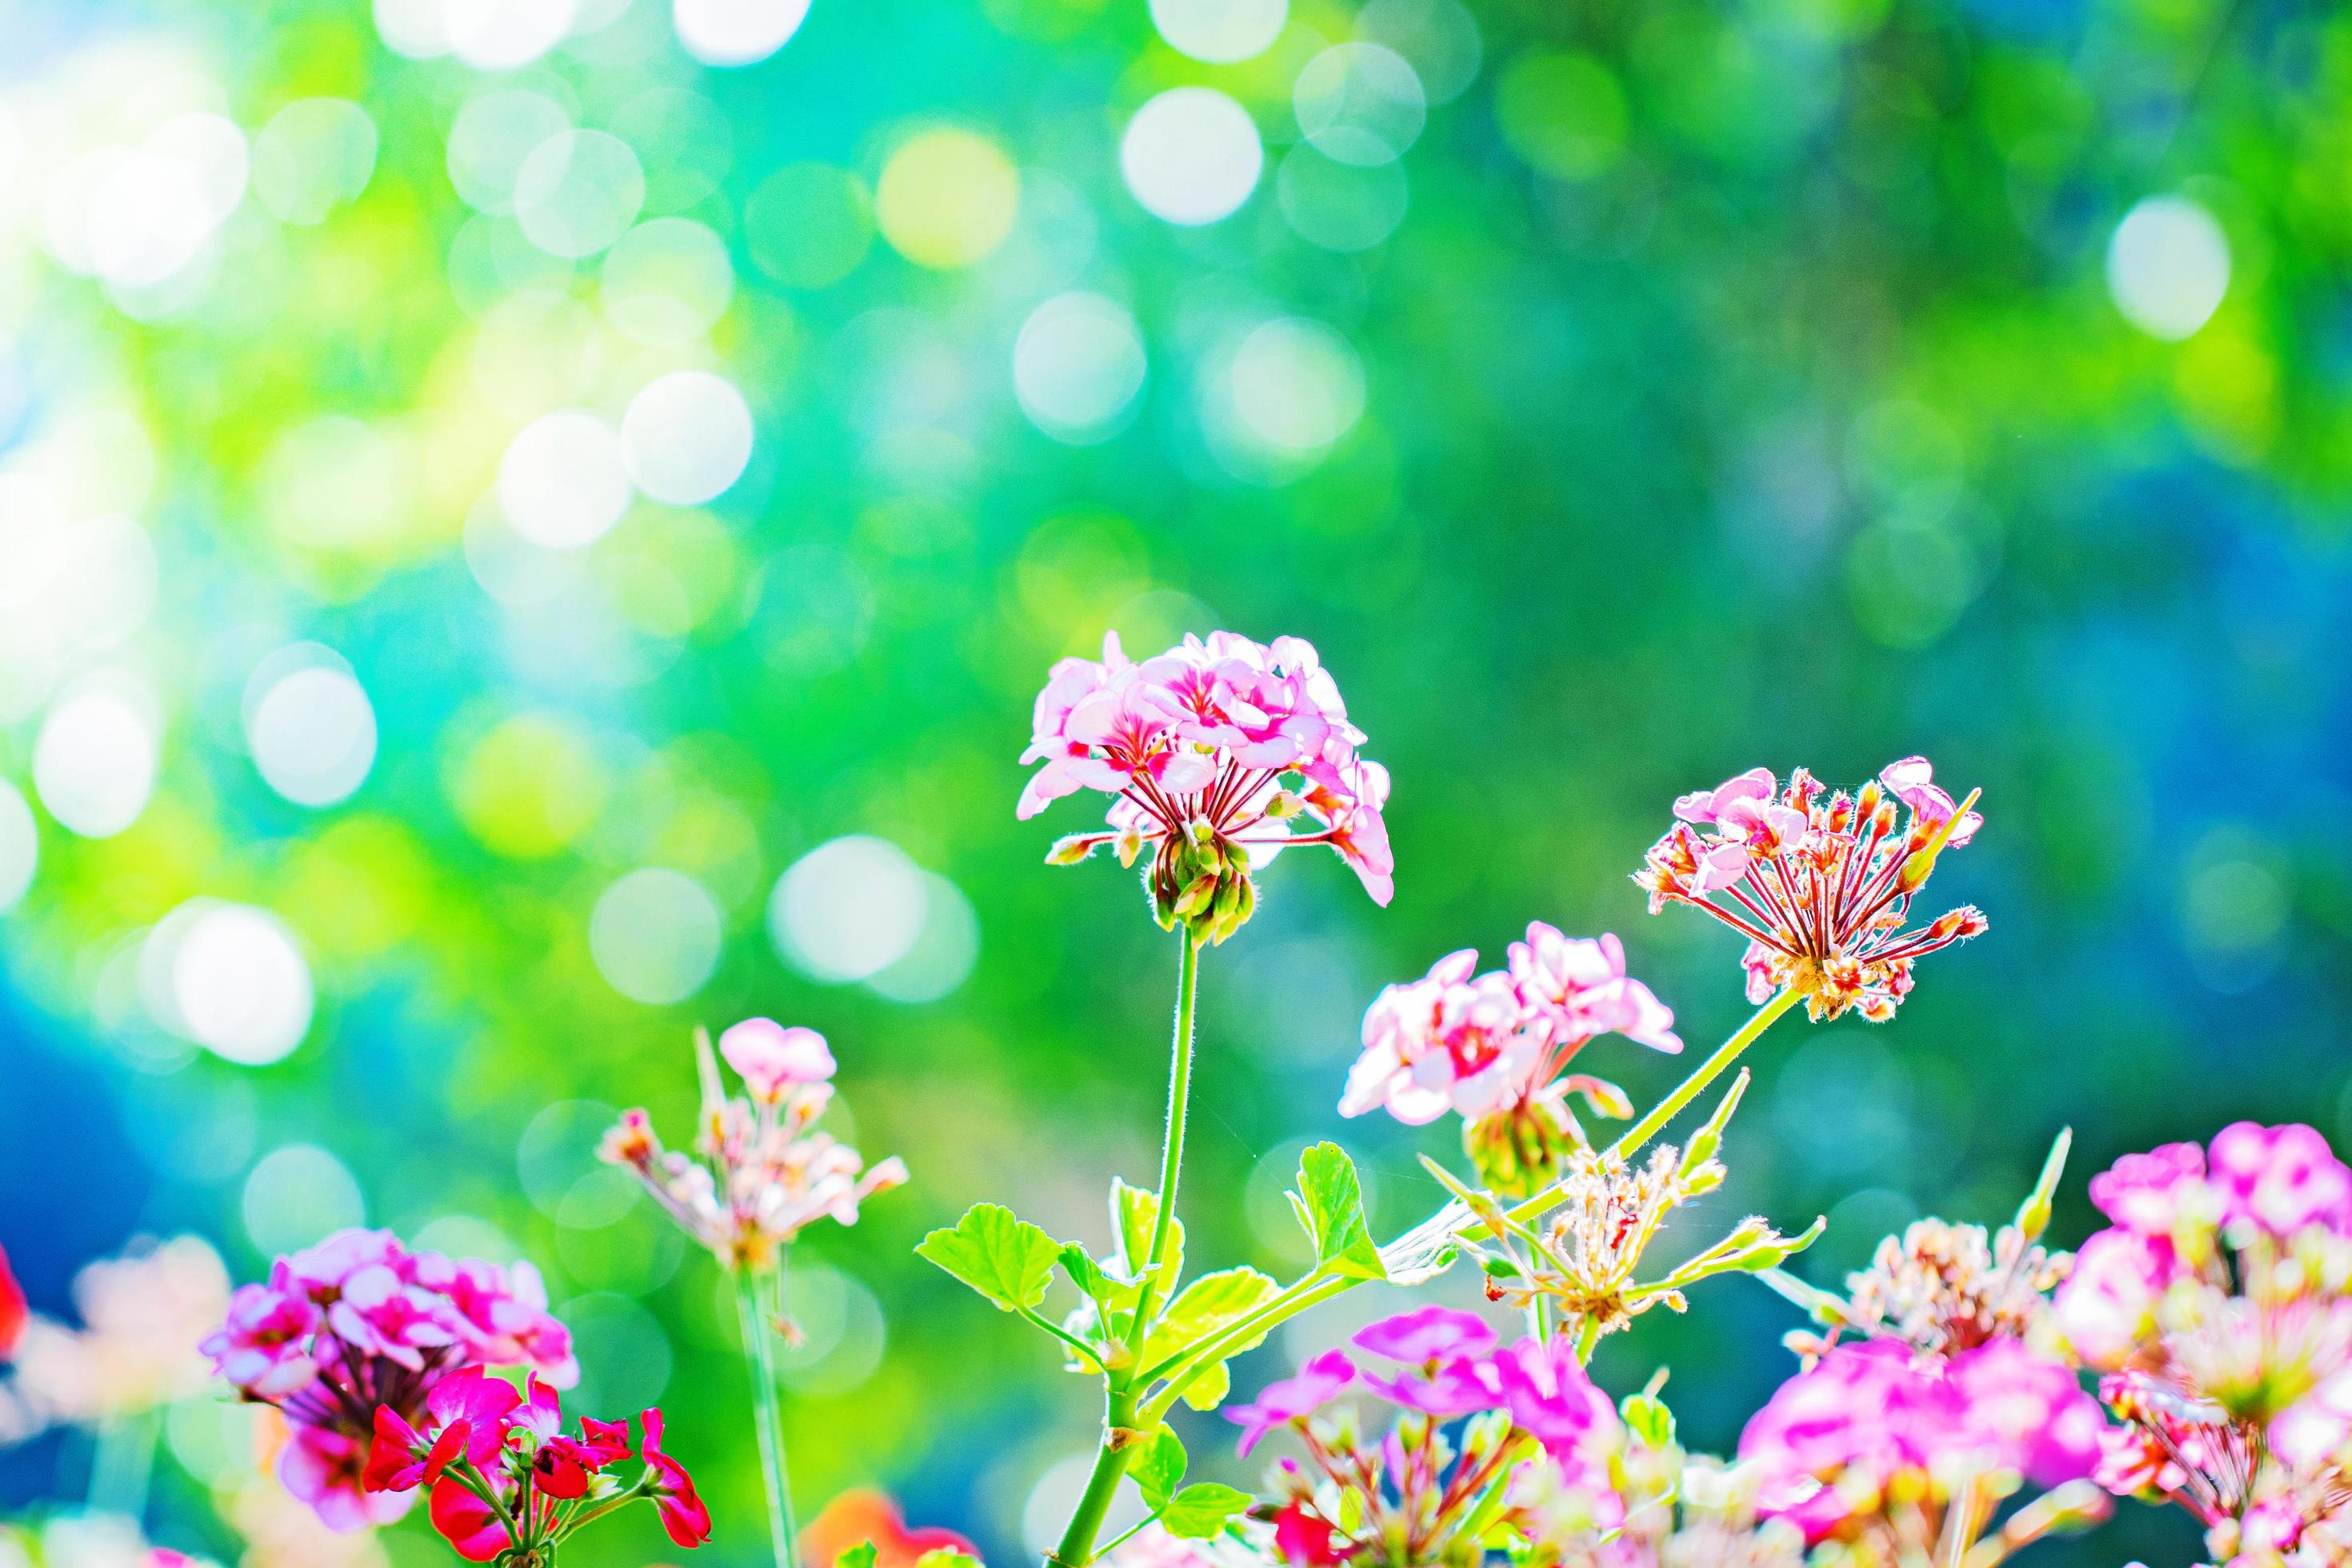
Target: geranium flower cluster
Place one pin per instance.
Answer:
(1415, 1495)
(360, 1323)
(507, 1482)
(2218, 1306)
(765, 1172)
(1910, 1455)
(1212, 750)
(1821, 888)
(1495, 1049)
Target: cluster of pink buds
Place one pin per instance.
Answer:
(358, 1322)
(1910, 1455)
(2218, 1306)
(1496, 1048)
(1821, 888)
(761, 1172)
(1532, 1421)
(508, 1483)
(1211, 752)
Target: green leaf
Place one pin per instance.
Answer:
(1330, 1204)
(1160, 1469)
(1208, 1390)
(1207, 1306)
(861, 1555)
(1202, 1509)
(1003, 1258)
(1086, 1273)
(1133, 1213)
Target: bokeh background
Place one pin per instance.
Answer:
(526, 525)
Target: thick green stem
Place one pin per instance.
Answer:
(768, 1414)
(1077, 1547)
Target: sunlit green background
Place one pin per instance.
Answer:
(1618, 392)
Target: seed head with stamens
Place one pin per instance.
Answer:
(1821, 890)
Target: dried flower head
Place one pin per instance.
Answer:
(1583, 1258)
(1821, 888)
(1212, 751)
(1943, 1288)
(762, 1171)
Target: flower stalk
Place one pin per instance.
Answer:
(767, 1413)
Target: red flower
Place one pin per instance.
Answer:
(468, 1524)
(402, 1459)
(682, 1513)
(1302, 1537)
(12, 1309)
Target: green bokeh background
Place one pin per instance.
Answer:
(1740, 382)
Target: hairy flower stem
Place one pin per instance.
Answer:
(1077, 1547)
(1690, 1089)
(768, 1416)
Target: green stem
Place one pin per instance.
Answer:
(124, 1464)
(1171, 1141)
(768, 1416)
(1690, 1089)
(1077, 1545)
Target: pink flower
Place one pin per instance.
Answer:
(2149, 1194)
(14, 1314)
(1580, 982)
(1212, 750)
(2107, 1303)
(1293, 1399)
(263, 1348)
(771, 1058)
(1912, 780)
(1444, 1042)
(1821, 888)
(2282, 1178)
(2022, 1410)
(1430, 1334)
(1551, 1398)
(328, 1470)
(683, 1516)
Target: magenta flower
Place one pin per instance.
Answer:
(1821, 888)
(2150, 1195)
(1874, 1414)
(770, 1059)
(1430, 1334)
(360, 1323)
(1211, 750)
(2281, 1178)
(1292, 1399)
(1550, 1397)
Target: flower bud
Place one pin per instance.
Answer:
(1070, 850)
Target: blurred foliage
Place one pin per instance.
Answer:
(1651, 391)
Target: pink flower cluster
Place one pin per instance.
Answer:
(2218, 1306)
(1820, 887)
(1478, 1044)
(1198, 742)
(1350, 1496)
(360, 1321)
(1875, 1415)
(496, 1463)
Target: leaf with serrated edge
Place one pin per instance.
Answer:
(1160, 1469)
(1202, 1509)
(1003, 1257)
(1331, 1198)
(1207, 1306)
